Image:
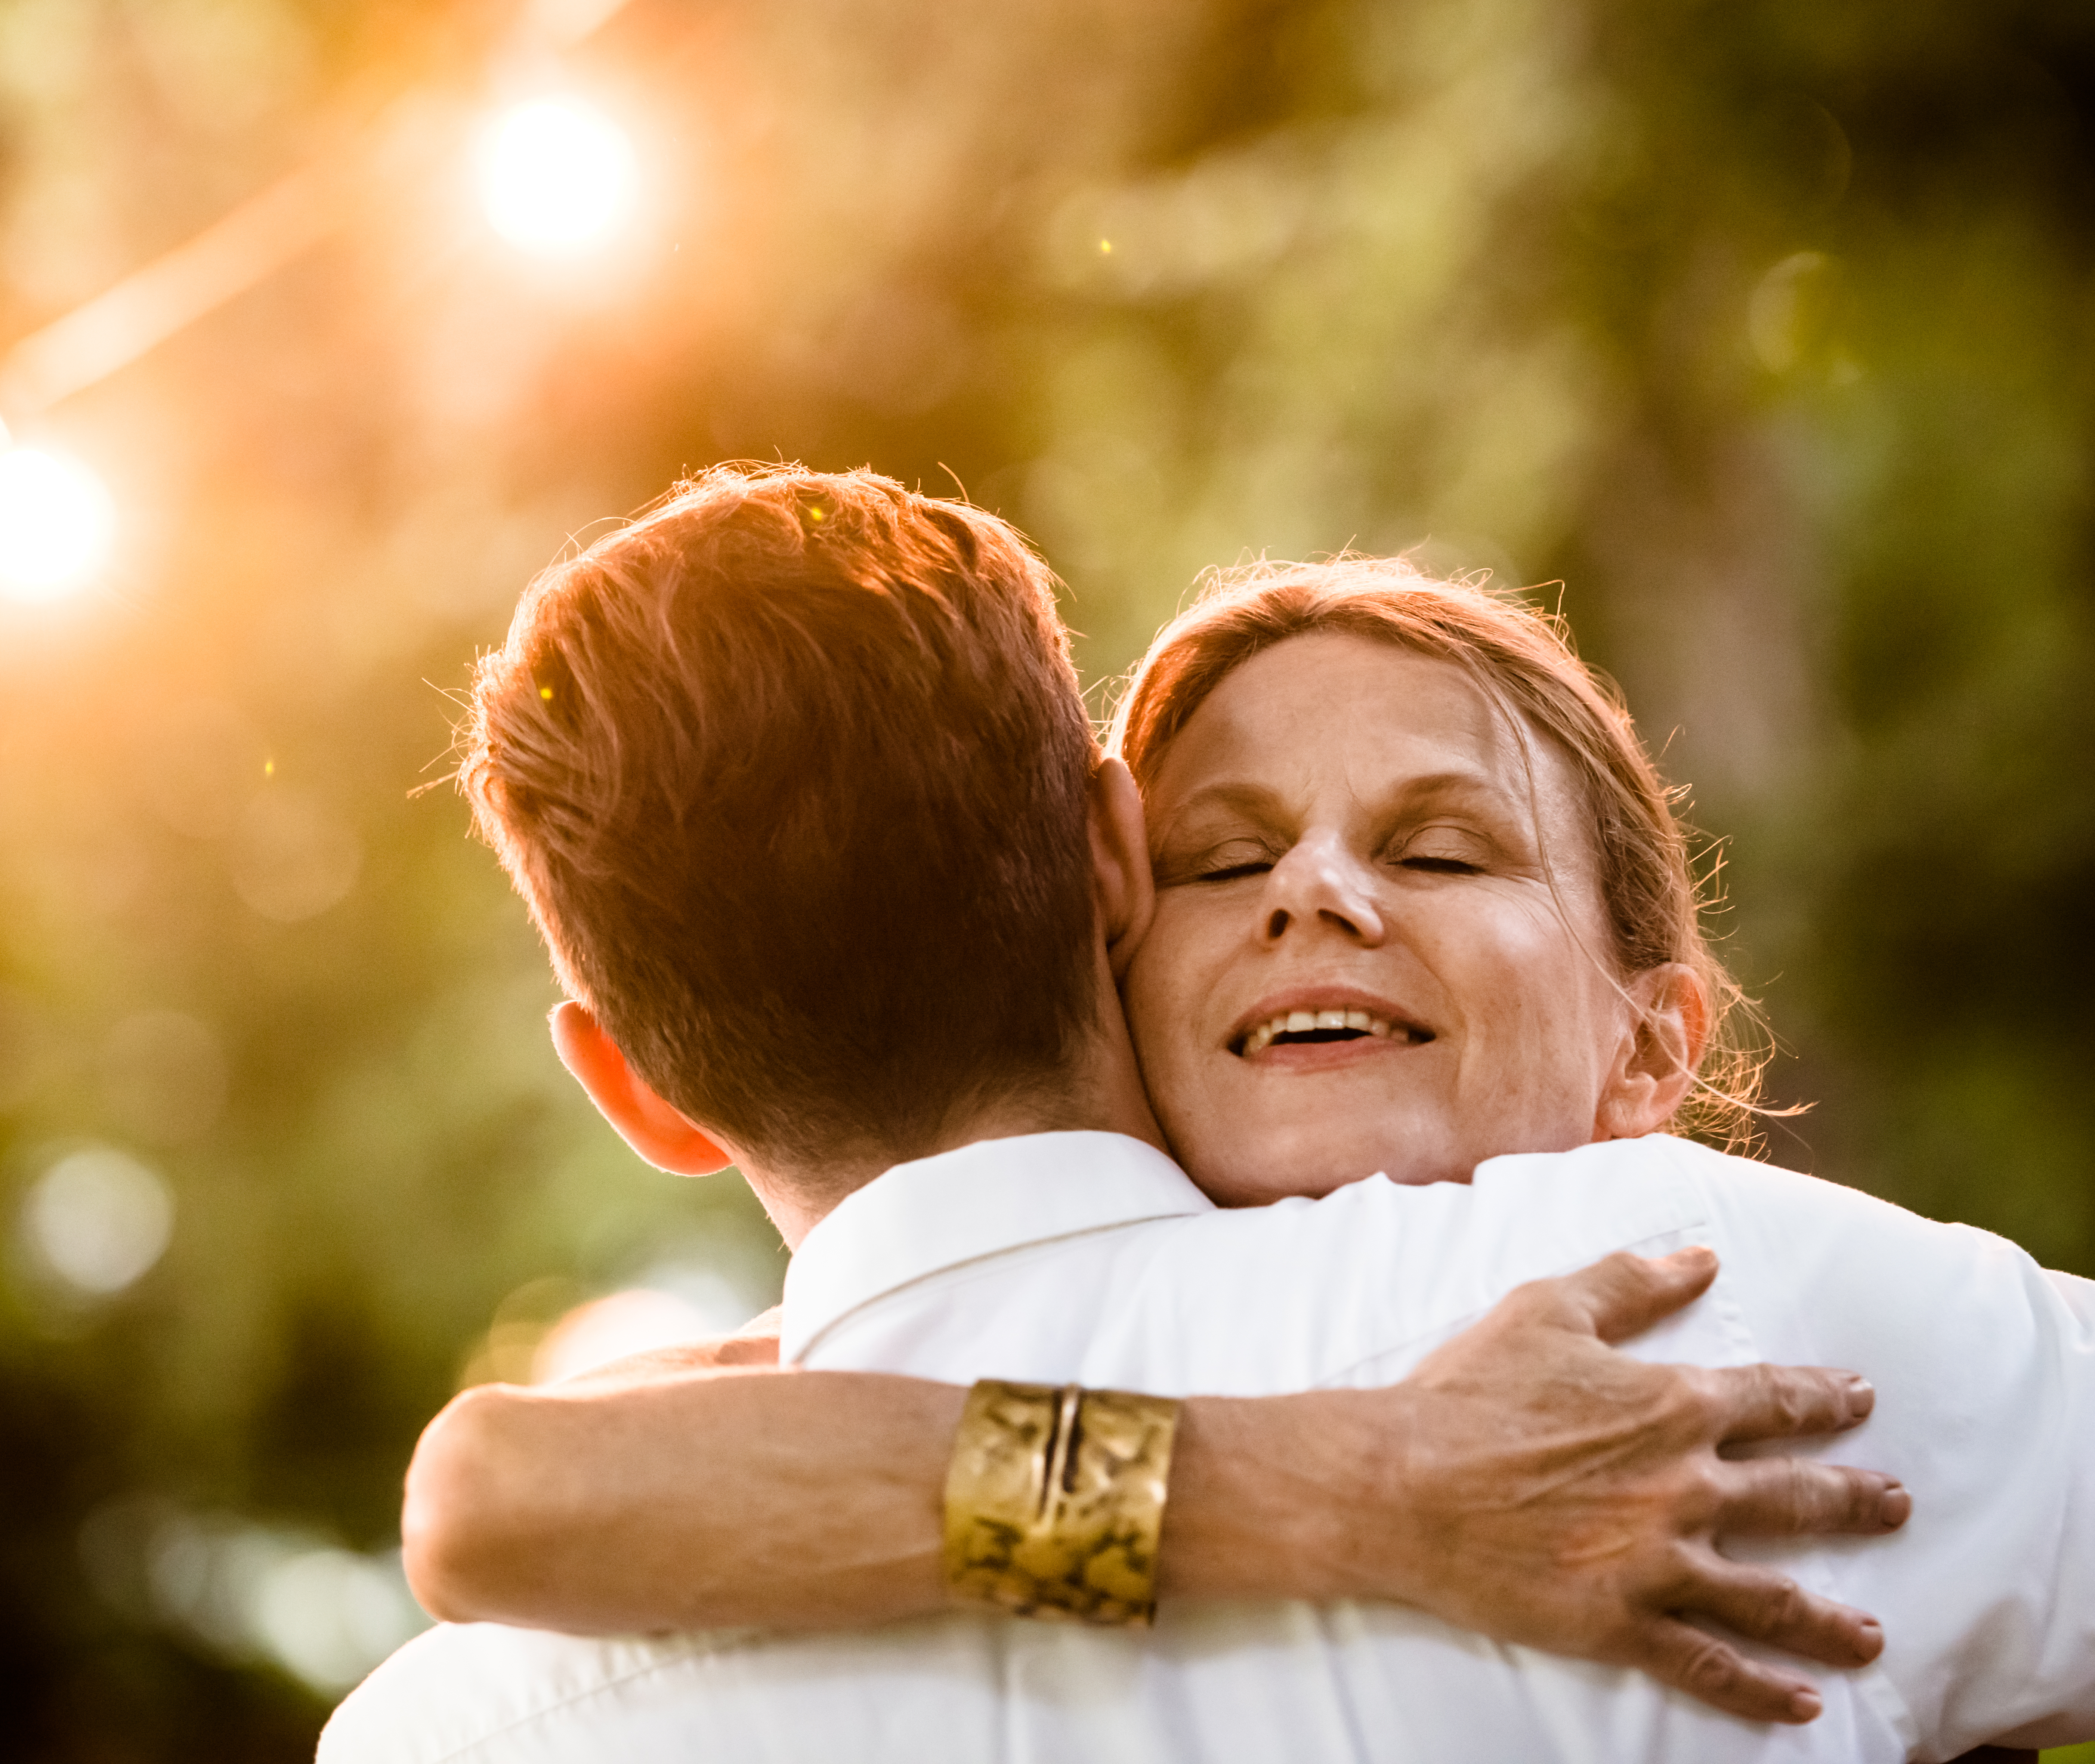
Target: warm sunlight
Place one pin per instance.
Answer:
(56, 523)
(555, 174)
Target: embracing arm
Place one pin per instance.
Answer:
(1526, 1482)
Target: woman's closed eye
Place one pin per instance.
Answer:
(1228, 860)
(1231, 864)
(1444, 851)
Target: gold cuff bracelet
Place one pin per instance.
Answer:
(1055, 1501)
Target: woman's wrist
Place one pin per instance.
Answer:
(1268, 1497)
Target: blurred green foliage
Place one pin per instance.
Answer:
(1766, 328)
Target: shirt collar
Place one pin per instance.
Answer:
(923, 1217)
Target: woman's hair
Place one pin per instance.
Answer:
(1523, 660)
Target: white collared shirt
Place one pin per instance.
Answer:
(1090, 1258)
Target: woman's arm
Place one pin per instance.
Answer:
(1526, 1482)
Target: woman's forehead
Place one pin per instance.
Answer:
(1330, 701)
(1333, 722)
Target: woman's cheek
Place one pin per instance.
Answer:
(1144, 997)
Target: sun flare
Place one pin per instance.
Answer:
(556, 175)
(57, 521)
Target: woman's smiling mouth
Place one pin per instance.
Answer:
(1323, 1023)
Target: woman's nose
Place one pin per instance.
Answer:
(1319, 883)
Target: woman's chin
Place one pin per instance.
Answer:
(1257, 1131)
(1267, 1162)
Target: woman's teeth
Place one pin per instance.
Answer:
(1291, 1025)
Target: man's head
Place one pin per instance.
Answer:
(792, 774)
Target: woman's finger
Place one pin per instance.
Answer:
(1784, 1402)
(1770, 1607)
(1715, 1672)
(1623, 1295)
(1800, 1497)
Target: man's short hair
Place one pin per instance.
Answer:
(792, 774)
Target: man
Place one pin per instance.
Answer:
(834, 629)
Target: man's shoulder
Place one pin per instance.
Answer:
(456, 1688)
(1661, 1181)
(1360, 1281)
(1521, 1215)
(1394, 1268)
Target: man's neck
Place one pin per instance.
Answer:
(1100, 1093)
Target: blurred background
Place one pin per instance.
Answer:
(1760, 334)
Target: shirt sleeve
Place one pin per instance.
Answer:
(1984, 1368)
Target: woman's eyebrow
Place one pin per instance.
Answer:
(1255, 803)
(1454, 786)
(1230, 794)
(1500, 810)
(1262, 802)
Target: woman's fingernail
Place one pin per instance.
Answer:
(1805, 1705)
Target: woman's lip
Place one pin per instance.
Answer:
(1404, 1030)
(1291, 1058)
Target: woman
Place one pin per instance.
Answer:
(1511, 823)
(1420, 901)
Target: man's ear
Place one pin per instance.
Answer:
(1119, 863)
(1655, 1066)
(652, 1127)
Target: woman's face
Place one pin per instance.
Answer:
(1357, 962)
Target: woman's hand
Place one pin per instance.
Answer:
(1529, 1483)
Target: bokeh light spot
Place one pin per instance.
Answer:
(555, 174)
(56, 523)
(330, 1615)
(292, 857)
(326, 1614)
(98, 1220)
(638, 1321)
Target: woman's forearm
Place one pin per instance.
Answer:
(694, 1493)
(698, 1498)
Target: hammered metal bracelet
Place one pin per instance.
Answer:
(1055, 1501)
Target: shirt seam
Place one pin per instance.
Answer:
(694, 1648)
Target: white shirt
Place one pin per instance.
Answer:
(1092, 1258)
